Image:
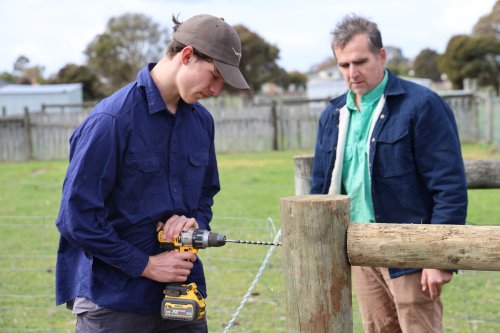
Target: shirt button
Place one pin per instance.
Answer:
(382, 116)
(373, 139)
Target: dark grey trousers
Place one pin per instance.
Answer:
(110, 321)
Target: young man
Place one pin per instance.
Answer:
(393, 147)
(145, 154)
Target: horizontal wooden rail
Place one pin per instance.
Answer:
(424, 246)
(481, 174)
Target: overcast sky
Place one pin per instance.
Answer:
(52, 33)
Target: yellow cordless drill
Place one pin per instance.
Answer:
(184, 301)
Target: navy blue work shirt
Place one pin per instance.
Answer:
(132, 163)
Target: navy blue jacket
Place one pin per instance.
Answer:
(132, 164)
(416, 167)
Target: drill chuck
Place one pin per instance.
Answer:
(201, 239)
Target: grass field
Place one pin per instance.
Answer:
(251, 187)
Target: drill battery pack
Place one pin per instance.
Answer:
(182, 302)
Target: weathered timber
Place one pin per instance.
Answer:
(317, 272)
(424, 246)
(481, 174)
(302, 165)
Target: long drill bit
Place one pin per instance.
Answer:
(251, 242)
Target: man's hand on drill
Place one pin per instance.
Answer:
(176, 224)
(169, 266)
(172, 266)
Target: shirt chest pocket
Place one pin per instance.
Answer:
(142, 178)
(195, 171)
(394, 153)
(199, 159)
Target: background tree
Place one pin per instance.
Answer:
(72, 73)
(129, 43)
(426, 65)
(396, 62)
(488, 25)
(25, 74)
(20, 64)
(451, 61)
(258, 61)
(298, 79)
(472, 57)
(483, 61)
(8, 77)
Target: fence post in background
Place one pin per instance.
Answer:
(302, 165)
(317, 273)
(490, 121)
(27, 131)
(4, 111)
(274, 124)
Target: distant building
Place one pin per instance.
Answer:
(3, 83)
(14, 98)
(326, 83)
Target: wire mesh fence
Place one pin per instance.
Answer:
(27, 272)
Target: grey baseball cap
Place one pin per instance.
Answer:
(216, 39)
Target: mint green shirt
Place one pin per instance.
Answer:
(355, 172)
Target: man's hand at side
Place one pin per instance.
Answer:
(433, 280)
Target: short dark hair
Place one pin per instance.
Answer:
(352, 25)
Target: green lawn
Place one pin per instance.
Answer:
(246, 208)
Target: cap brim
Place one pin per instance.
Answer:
(232, 75)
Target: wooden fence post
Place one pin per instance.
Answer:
(28, 139)
(274, 124)
(302, 166)
(317, 273)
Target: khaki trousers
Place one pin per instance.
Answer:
(395, 305)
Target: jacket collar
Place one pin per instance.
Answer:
(394, 86)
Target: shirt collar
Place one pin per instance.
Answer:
(153, 96)
(370, 97)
